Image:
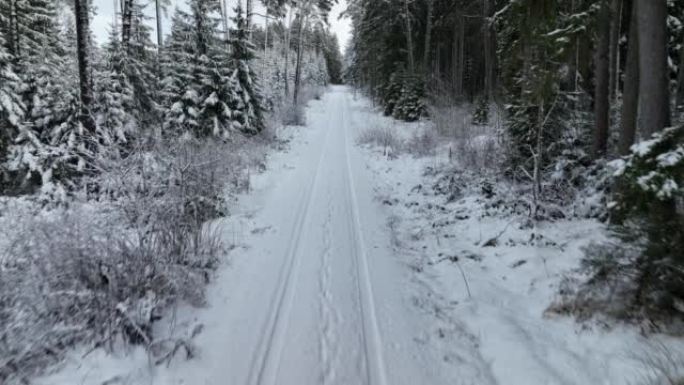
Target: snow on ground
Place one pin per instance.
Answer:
(312, 293)
(495, 297)
(350, 265)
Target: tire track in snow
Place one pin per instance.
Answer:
(328, 340)
(374, 355)
(264, 366)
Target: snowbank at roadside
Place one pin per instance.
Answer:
(488, 274)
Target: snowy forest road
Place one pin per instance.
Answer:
(316, 297)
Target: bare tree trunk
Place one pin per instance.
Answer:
(428, 37)
(489, 49)
(13, 37)
(303, 20)
(459, 41)
(409, 38)
(126, 22)
(263, 62)
(537, 158)
(160, 33)
(654, 101)
(248, 18)
(116, 19)
(288, 41)
(630, 93)
(82, 38)
(224, 19)
(615, 24)
(680, 78)
(602, 90)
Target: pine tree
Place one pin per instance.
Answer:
(11, 106)
(115, 96)
(178, 97)
(139, 67)
(52, 147)
(333, 58)
(246, 104)
(196, 90)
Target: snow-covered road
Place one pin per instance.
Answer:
(316, 297)
(331, 280)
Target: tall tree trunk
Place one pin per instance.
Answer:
(615, 26)
(458, 59)
(602, 89)
(489, 49)
(428, 37)
(654, 101)
(224, 19)
(160, 33)
(82, 39)
(288, 42)
(409, 38)
(116, 19)
(248, 18)
(680, 78)
(630, 93)
(303, 19)
(263, 62)
(13, 38)
(126, 22)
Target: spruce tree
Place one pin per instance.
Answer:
(179, 99)
(246, 103)
(139, 67)
(196, 90)
(11, 107)
(114, 95)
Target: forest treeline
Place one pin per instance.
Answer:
(116, 157)
(65, 99)
(584, 93)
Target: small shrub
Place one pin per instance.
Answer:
(383, 137)
(451, 121)
(102, 270)
(410, 106)
(404, 97)
(649, 205)
(423, 143)
(643, 276)
(662, 365)
(481, 114)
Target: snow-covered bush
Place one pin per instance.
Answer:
(663, 366)
(641, 275)
(11, 106)
(384, 137)
(103, 269)
(475, 147)
(390, 93)
(648, 205)
(423, 143)
(481, 113)
(403, 96)
(76, 276)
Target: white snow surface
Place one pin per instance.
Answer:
(337, 277)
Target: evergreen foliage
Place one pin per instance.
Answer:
(649, 209)
(11, 107)
(410, 103)
(481, 114)
(115, 96)
(246, 103)
(196, 88)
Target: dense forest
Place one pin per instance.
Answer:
(585, 95)
(440, 194)
(121, 151)
(65, 97)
